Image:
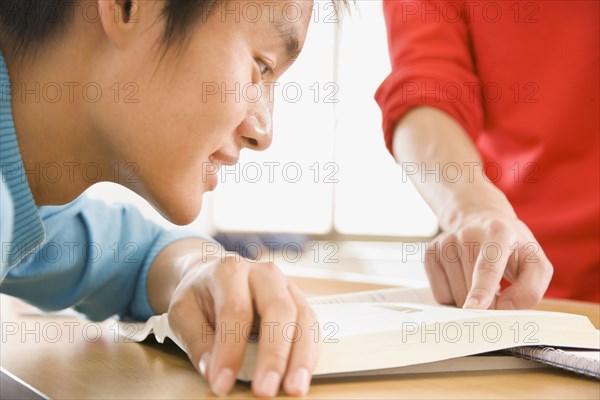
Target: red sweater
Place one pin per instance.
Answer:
(523, 80)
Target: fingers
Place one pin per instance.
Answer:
(436, 273)
(449, 267)
(465, 267)
(487, 274)
(453, 261)
(305, 351)
(234, 315)
(278, 316)
(212, 316)
(192, 330)
(534, 275)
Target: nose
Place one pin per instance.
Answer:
(256, 130)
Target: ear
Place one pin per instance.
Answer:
(120, 19)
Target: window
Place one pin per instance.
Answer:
(331, 134)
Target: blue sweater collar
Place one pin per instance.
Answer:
(28, 229)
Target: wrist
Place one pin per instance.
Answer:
(171, 266)
(477, 203)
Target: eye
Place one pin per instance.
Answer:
(263, 67)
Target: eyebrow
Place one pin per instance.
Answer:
(290, 36)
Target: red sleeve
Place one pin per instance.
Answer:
(432, 64)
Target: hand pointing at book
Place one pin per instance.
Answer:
(465, 266)
(482, 239)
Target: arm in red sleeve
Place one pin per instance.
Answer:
(432, 64)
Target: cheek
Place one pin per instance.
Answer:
(163, 136)
(214, 102)
(195, 116)
(168, 127)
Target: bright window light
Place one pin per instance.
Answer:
(372, 197)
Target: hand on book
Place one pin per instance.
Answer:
(216, 307)
(465, 266)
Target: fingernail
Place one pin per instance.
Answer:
(268, 386)
(223, 383)
(299, 382)
(506, 305)
(203, 365)
(472, 302)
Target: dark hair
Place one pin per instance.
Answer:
(27, 24)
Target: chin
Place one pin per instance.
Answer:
(183, 216)
(181, 212)
(176, 203)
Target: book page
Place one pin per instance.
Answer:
(402, 295)
(454, 326)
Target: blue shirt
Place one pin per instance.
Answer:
(86, 255)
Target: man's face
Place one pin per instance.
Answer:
(197, 107)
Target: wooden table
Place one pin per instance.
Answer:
(69, 358)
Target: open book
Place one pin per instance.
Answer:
(404, 330)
